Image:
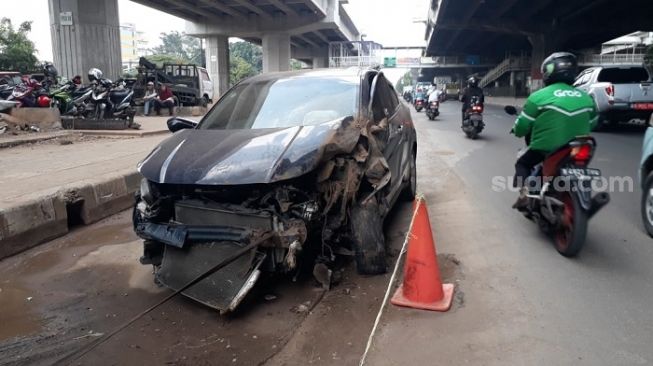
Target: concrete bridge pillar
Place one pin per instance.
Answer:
(276, 52)
(543, 45)
(217, 63)
(320, 62)
(85, 34)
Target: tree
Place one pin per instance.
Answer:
(17, 52)
(250, 53)
(180, 47)
(239, 69)
(406, 80)
(245, 60)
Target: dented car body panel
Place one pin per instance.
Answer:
(291, 170)
(223, 157)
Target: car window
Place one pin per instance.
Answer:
(294, 101)
(582, 79)
(204, 75)
(623, 75)
(382, 105)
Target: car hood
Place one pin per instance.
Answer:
(224, 157)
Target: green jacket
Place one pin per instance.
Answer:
(555, 115)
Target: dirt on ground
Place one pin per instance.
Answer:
(59, 297)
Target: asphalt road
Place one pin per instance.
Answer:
(523, 302)
(518, 302)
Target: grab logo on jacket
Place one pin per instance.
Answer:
(567, 93)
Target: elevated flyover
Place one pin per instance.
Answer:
(495, 27)
(86, 33)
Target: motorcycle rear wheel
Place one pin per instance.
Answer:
(570, 235)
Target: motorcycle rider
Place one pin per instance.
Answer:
(434, 96)
(551, 117)
(472, 90)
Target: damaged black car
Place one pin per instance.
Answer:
(306, 164)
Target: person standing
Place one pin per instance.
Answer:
(149, 99)
(165, 99)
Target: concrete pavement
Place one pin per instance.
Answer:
(518, 301)
(50, 185)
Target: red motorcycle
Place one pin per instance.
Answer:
(560, 196)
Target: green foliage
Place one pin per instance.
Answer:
(162, 58)
(245, 60)
(16, 50)
(179, 47)
(406, 80)
(239, 69)
(250, 53)
(296, 65)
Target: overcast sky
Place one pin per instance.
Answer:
(389, 22)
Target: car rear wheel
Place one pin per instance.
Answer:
(647, 204)
(368, 240)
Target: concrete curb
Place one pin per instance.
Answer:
(123, 133)
(31, 139)
(27, 224)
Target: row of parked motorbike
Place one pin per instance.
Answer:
(101, 99)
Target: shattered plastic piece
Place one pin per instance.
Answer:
(34, 129)
(270, 297)
(29, 298)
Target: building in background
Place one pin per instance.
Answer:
(133, 45)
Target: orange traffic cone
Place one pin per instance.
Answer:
(422, 287)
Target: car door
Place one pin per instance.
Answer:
(207, 84)
(384, 106)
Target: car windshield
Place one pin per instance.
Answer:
(624, 76)
(293, 101)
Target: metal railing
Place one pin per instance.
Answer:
(611, 59)
(512, 63)
(349, 61)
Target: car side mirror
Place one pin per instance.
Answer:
(176, 123)
(511, 110)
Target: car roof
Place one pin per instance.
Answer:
(352, 74)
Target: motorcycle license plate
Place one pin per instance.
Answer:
(581, 173)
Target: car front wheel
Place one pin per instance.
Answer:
(647, 204)
(368, 240)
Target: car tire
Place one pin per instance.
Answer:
(647, 200)
(410, 191)
(367, 237)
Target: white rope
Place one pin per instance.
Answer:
(420, 201)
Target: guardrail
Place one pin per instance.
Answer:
(511, 63)
(611, 59)
(349, 61)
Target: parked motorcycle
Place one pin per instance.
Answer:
(23, 95)
(111, 101)
(560, 196)
(473, 122)
(433, 110)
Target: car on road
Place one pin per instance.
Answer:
(309, 162)
(621, 93)
(646, 178)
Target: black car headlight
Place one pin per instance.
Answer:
(147, 193)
